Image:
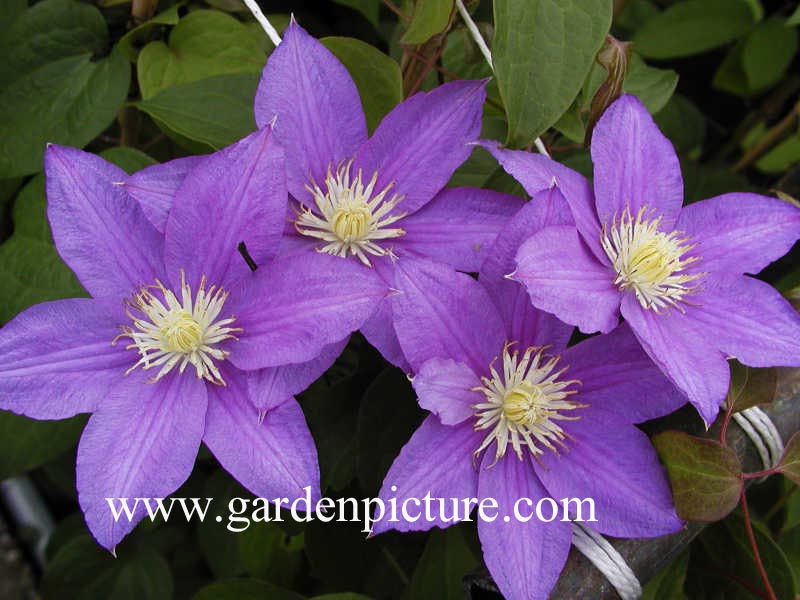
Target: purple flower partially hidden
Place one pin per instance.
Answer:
(373, 199)
(181, 342)
(675, 274)
(516, 414)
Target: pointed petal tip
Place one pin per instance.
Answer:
(113, 551)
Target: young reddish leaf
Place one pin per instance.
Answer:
(705, 475)
(614, 58)
(790, 461)
(750, 387)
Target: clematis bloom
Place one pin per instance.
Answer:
(517, 414)
(373, 199)
(180, 342)
(677, 275)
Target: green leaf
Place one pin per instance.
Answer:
(726, 546)
(683, 123)
(146, 576)
(204, 44)
(26, 444)
(654, 87)
(705, 475)
(781, 157)
(750, 386)
(206, 115)
(794, 19)
(667, 584)
(389, 415)
(376, 75)
(442, 566)
(790, 461)
(53, 88)
(542, 51)
(571, 124)
(693, 26)
(430, 18)
(369, 8)
(767, 53)
(30, 268)
(80, 570)
(244, 589)
(130, 42)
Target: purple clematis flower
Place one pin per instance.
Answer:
(516, 414)
(373, 199)
(180, 342)
(676, 274)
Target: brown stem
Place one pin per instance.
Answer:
(724, 427)
(751, 536)
(396, 10)
(143, 10)
(774, 136)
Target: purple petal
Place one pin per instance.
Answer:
(525, 324)
(419, 145)
(634, 164)
(563, 278)
(58, 359)
(437, 460)
(154, 188)
(458, 226)
(616, 375)
(749, 320)
(235, 195)
(99, 231)
(269, 388)
(274, 457)
(686, 355)
(320, 121)
(536, 173)
(525, 559)
(740, 233)
(293, 307)
(614, 464)
(441, 313)
(445, 387)
(141, 443)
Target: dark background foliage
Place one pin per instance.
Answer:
(144, 82)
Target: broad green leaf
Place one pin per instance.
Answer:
(30, 267)
(705, 475)
(146, 576)
(667, 584)
(634, 14)
(211, 113)
(203, 44)
(376, 75)
(10, 11)
(727, 547)
(767, 53)
(245, 589)
(654, 87)
(130, 42)
(54, 87)
(730, 76)
(219, 546)
(693, 26)
(369, 8)
(750, 386)
(790, 461)
(704, 181)
(571, 124)
(442, 566)
(683, 123)
(781, 157)
(789, 542)
(430, 18)
(389, 415)
(26, 444)
(794, 20)
(80, 570)
(542, 51)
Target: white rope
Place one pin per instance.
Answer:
(487, 54)
(607, 560)
(763, 433)
(271, 32)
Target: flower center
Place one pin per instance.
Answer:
(648, 261)
(169, 332)
(524, 404)
(351, 217)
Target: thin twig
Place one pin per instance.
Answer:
(777, 133)
(271, 32)
(396, 10)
